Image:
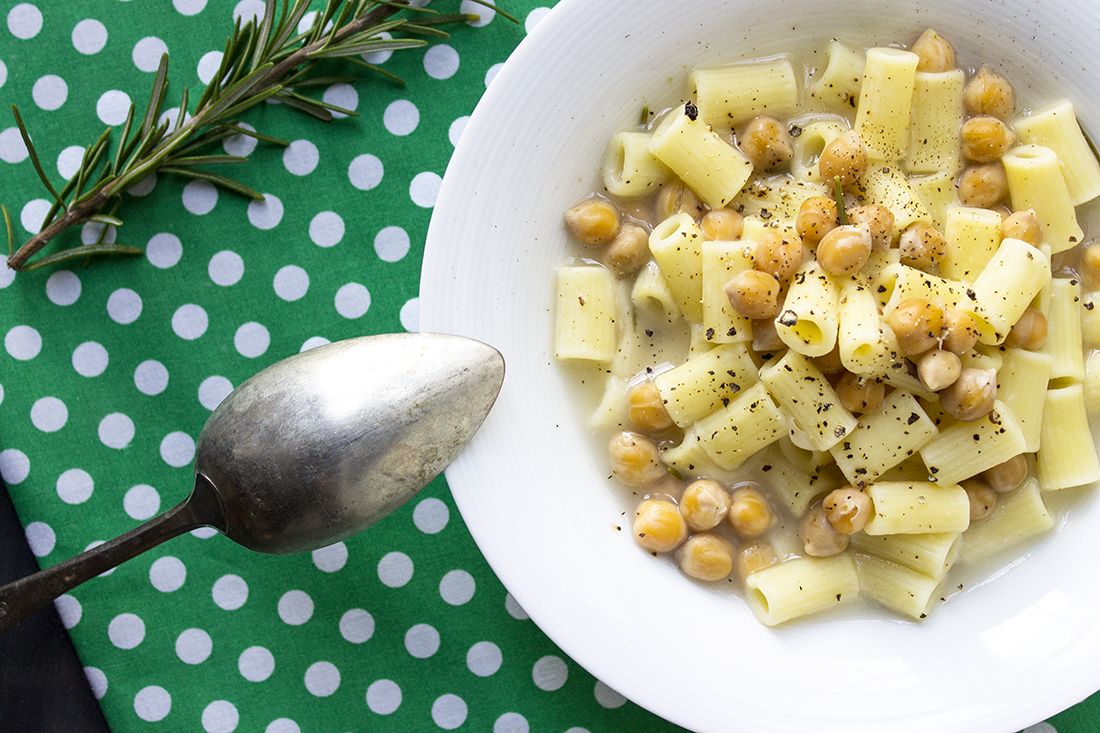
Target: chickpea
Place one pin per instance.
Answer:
(819, 538)
(917, 323)
(984, 139)
(989, 93)
(845, 250)
(766, 143)
(723, 224)
(593, 221)
(764, 336)
(816, 218)
(971, 396)
(983, 499)
(830, 363)
(777, 255)
(983, 185)
(628, 251)
(922, 246)
(879, 220)
(960, 331)
(753, 294)
(1030, 332)
(749, 513)
(938, 369)
(1023, 225)
(1007, 476)
(935, 52)
(844, 158)
(704, 504)
(757, 556)
(848, 509)
(646, 409)
(634, 459)
(677, 198)
(1090, 266)
(707, 557)
(658, 525)
(1004, 212)
(860, 395)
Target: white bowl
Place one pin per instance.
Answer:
(997, 657)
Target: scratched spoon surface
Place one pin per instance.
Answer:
(311, 450)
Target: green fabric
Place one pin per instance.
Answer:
(289, 651)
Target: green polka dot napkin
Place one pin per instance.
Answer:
(108, 372)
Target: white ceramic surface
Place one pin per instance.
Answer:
(999, 656)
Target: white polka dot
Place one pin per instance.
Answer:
(177, 449)
(220, 716)
(424, 189)
(295, 607)
(332, 558)
(7, 275)
(41, 538)
(549, 673)
(341, 95)
(391, 244)
(352, 300)
(75, 486)
(147, 53)
(190, 321)
(22, 343)
(229, 592)
(213, 390)
(69, 160)
(251, 340)
(164, 250)
(141, 502)
(189, 7)
(152, 704)
(151, 377)
(422, 641)
(410, 315)
(300, 157)
(265, 214)
(90, 359)
(365, 172)
(112, 107)
(193, 646)
(241, 145)
(1040, 728)
(167, 574)
(116, 430)
(291, 283)
(89, 36)
(143, 187)
(449, 711)
(383, 697)
(3, 73)
(50, 92)
(124, 306)
(457, 587)
(322, 679)
(93, 232)
(511, 605)
(69, 609)
(492, 73)
(12, 147)
(204, 533)
(63, 288)
(33, 215)
(97, 681)
(24, 21)
(401, 117)
(431, 515)
(534, 17)
(607, 697)
(126, 630)
(226, 268)
(395, 569)
(247, 10)
(441, 61)
(282, 725)
(14, 466)
(200, 197)
(511, 723)
(357, 626)
(209, 64)
(308, 21)
(484, 659)
(313, 342)
(49, 414)
(256, 664)
(484, 14)
(326, 229)
(454, 132)
(379, 57)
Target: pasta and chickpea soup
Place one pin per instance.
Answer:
(843, 329)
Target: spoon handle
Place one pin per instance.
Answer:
(23, 597)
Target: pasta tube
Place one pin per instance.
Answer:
(972, 237)
(929, 554)
(966, 449)
(840, 81)
(629, 169)
(1056, 127)
(887, 185)
(917, 507)
(1035, 182)
(811, 142)
(711, 167)
(809, 399)
(883, 439)
(937, 192)
(721, 261)
(651, 293)
(1022, 387)
(730, 95)
(705, 383)
(677, 246)
(1064, 330)
(1067, 452)
(936, 119)
(733, 434)
(899, 588)
(885, 102)
(1017, 517)
(864, 348)
(801, 587)
(1006, 286)
(808, 320)
(585, 318)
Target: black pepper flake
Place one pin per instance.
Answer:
(765, 214)
(691, 111)
(710, 334)
(913, 417)
(1090, 305)
(794, 130)
(838, 598)
(882, 288)
(788, 318)
(580, 299)
(840, 431)
(649, 332)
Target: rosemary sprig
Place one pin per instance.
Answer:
(265, 59)
(838, 196)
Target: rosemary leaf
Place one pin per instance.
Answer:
(34, 154)
(499, 11)
(85, 250)
(120, 152)
(106, 219)
(218, 180)
(376, 69)
(838, 196)
(156, 97)
(207, 160)
(7, 226)
(264, 33)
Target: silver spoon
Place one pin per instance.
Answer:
(310, 451)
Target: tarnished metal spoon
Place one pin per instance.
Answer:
(309, 451)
